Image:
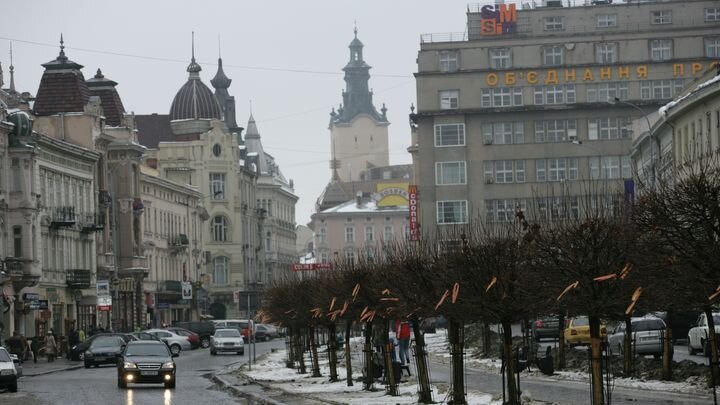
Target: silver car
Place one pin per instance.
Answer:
(227, 340)
(175, 342)
(647, 336)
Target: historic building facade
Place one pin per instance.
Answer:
(532, 108)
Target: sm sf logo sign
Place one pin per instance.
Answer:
(499, 19)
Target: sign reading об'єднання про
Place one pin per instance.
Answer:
(498, 19)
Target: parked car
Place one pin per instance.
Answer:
(239, 324)
(681, 323)
(698, 334)
(77, 352)
(104, 350)
(193, 337)
(203, 328)
(227, 340)
(647, 336)
(175, 342)
(8, 371)
(145, 336)
(545, 328)
(146, 362)
(264, 332)
(577, 331)
(272, 331)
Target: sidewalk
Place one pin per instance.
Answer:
(42, 367)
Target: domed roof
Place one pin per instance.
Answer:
(194, 100)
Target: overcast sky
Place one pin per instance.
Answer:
(286, 56)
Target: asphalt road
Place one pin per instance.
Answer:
(99, 385)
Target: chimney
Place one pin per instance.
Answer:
(358, 199)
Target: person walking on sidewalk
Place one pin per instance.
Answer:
(35, 347)
(50, 347)
(403, 336)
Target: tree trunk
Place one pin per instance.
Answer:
(668, 347)
(387, 346)
(627, 349)
(596, 377)
(423, 376)
(290, 362)
(712, 343)
(456, 335)
(332, 352)
(526, 333)
(368, 352)
(509, 357)
(348, 352)
(314, 353)
(487, 346)
(299, 351)
(561, 342)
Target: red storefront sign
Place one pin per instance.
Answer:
(311, 266)
(414, 214)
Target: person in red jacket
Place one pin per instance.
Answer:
(402, 331)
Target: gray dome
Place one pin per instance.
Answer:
(194, 100)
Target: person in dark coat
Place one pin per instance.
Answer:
(35, 347)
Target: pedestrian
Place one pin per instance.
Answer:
(35, 347)
(81, 335)
(73, 339)
(403, 335)
(25, 348)
(50, 346)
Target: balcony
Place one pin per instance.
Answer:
(92, 223)
(62, 217)
(22, 272)
(78, 278)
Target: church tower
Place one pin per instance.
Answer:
(358, 132)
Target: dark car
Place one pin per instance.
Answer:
(104, 350)
(545, 328)
(193, 337)
(146, 362)
(203, 328)
(262, 333)
(77, 352)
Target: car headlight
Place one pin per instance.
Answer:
(128, 364)
(168, 364)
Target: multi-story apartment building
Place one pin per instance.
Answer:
(532, 105)
(172, 238)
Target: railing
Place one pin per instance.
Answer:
(62, 216)
(179, 241)
(78, 278)
(443, 37)
(92, 222)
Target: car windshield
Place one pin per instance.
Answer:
(146, 350)
(649, 324)
(107, 342)
(4, 356)
(580, 322)
(182, 332)
(227, 333)
(238, 325)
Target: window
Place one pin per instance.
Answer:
(553, 24)
(323, 257)
(503, 133)
(712, 47)
(500, 58)
(217, 149)
(603, 92)
(387, 233)
(452, 212)
(369, 236)
(660, 89)
(447, 173)
(350, 256)
(448, 61)
(608, 128)
(606, 20)
(503, 210)
(268, 242)
(504, 171)
(555, 130)
(501, 97)
(16, 175)
(712, 14)
(520, 171)
(322, 236)
(450, 135)
(550, 95)
(219, 228)
(610, 167)
(349, 234)
(660, 49)
(606, 52)
(220, 270)
(217, 186)
(540, 174)
(553, 55)
(449, 99)
(661, 17)
(556, 169)
(17, 241)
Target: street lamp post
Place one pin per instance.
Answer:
(654, 158)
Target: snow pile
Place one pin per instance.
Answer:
(664, 109)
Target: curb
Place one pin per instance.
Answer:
(52, 371)
(248, 395)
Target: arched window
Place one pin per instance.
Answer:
(220, 270)
(219, 228)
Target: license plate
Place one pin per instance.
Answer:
(229, 344)
(148, 373)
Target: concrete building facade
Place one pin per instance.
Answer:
(532, 106)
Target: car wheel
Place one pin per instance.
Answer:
(242, 352)
(691, 351)
(87, 364)
(170, 384)
(13, 387)
(121, 382)
(204, 343)
(213, 352)
(175, 349)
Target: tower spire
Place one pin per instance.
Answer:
(61, 57)
(12, 71)
(193, 68)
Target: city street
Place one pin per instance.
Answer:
(98, 385)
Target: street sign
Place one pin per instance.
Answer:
(30, 297)
(103, 287)
(104, 303)
(39, 305)
(186, 290)
(236, 296)
(311, 266)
